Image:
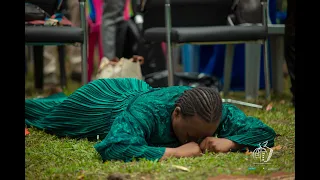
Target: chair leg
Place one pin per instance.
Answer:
(84, 46)
(84, 61)
(63, 80)
(228, 68)
(252, 70)
(170, 65)
(277, 60)
(38, 66)
(266, 70)
(30, 56)
(169, 50)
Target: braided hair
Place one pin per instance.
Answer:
(203, 101)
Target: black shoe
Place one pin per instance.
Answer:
(75, 76)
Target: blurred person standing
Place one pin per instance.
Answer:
(113, 16)
(289, 42)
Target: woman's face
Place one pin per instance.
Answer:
(191, 128)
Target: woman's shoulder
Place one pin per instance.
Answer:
(163, 95)
(159, 99)
(175, 89)
(171, 92)
(230, 110)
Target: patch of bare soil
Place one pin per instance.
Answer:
(118, 176)
(274, 176)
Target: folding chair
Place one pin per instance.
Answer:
(41, 35)
(179, 22)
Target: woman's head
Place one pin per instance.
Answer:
(197, 114)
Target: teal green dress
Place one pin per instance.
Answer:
(132, 118)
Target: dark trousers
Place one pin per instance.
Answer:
(289, 42)
(290, 52)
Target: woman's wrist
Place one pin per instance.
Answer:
(169, 152)
(235, 146)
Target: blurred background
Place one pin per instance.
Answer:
(112, 34)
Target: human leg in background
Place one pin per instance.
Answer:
(74, 52)
(94, 29)
(99, 32)
(111, 18)
(93, 39)
(100, 47)
(50, 65)
(289, 42)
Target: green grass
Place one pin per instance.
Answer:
(48, 157)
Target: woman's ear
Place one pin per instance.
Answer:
(177, 112)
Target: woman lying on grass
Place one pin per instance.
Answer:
(138, 121)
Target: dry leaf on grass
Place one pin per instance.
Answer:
(181, 168)
(276, 148)
(26, 131)
(269, 107)
(282, 101)
(248, 152)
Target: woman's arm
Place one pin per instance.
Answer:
(127, 137)
(237, 131)
(126, 140)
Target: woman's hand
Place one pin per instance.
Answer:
(213, 144)
(190, 149)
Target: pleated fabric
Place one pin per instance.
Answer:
(86, 113)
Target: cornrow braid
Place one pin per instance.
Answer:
(203, 101)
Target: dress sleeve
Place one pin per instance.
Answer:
(244, 130)
(126, 139)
